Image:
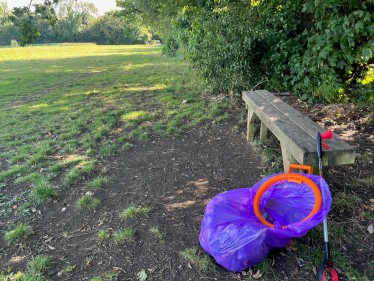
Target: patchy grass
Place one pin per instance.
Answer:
(19, 233)
(202, 260)
(123, 235)
(40, 264)
(368, 181)
(42, 191)
(103, 234)
(126, 146)
(132, 212)
(70, 268)
(365, 157)
(345, 202)
(76, 174)
(96, 182)
(124, 138)
(109, 150)
(311, 249)
(88, 202)
(156, 231)
(56, 168)
(32, 177)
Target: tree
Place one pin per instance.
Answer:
(74, 20)
(24, 18)
(321, 48)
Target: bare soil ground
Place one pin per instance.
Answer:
(176, 177)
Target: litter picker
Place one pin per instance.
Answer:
(327, 263)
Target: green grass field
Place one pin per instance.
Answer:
(62, 107)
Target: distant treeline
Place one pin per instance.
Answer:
(78, 23)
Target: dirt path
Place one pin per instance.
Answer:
(176, 177)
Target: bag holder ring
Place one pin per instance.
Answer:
(291, 177)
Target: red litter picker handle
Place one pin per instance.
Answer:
(325, 136)
(327, 263)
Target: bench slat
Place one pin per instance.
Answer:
(296, 131)
(297, 141)
(304, 122)
(340, 151)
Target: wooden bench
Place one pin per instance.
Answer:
(296, 132)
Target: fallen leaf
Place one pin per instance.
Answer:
(371, 229)
(189, 266)
(52, 248)
(257, 275)
(314, 270)
(48, 240)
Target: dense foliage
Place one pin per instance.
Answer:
(75, 21)
(320, 48)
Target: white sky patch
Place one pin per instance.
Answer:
(102, 6)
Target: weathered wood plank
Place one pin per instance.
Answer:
(340, 151)
(251, 124)
(287, 159)
(263, 132)
(296, 140)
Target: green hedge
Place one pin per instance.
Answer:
(321, 49)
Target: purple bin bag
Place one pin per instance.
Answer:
(236, 238)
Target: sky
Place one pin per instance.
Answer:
(102, 6)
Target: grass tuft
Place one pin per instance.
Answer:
(156, 231)
(88, 202)
(42, 191)
(32, 177)
(19, 233)
(132, 211)
(96, 182)
(124, 138)
(109, 150)
(203, 261)
(126, 146)
(40, 264)
(103, 234)
(123, 235)
(77, 173)
(57, 167)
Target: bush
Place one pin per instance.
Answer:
(320, 48)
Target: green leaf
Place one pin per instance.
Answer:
(308, 7)
(341, 64)
(351, 42)
(332, 61)
(366, 54)
(371, 28)
(367, 17)
(329, 48)
(323, 54)
(359, 24)
(348, 69)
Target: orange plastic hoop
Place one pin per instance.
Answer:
(291, 178)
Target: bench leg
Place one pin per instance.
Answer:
(287, 159)
(251, 124)
(263, 132)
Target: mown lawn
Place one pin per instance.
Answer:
(63, 107)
